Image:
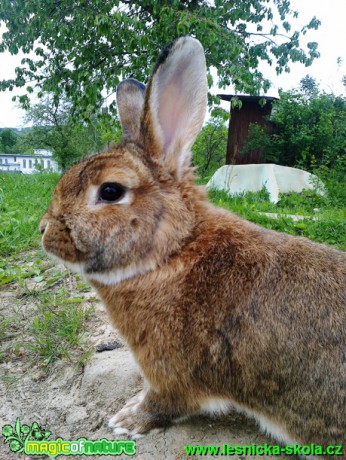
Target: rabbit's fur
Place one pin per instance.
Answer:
(216, 310)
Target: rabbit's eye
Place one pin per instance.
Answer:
(111, 192)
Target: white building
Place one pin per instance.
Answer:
(28, 164)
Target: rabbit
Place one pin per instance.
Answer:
(218, 312)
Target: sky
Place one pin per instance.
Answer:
(331, 37)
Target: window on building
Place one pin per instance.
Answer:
(6, 160)
(0, 161)
(14, 159)
(42, 163)
(30, 164)
(48, 163)
(24, 163)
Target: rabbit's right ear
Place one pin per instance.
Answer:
(175, 104)
(130, 101)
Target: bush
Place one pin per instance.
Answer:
(307, 130)
(335, 182)
(209, 150)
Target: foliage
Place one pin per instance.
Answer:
(108, 129)
(8, 140)
(335, 180)
(82, 49)
(209, 149)
(54, 128)
(309, 86)
(307, 130)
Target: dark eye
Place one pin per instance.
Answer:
(111, 192)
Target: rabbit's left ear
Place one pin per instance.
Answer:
(130, 102)
(175, 104)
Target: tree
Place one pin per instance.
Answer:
(83, 47)
(8, 140)
(344, 81)
(304, 132)
(209, 150)
(55, 128)
(309, 85)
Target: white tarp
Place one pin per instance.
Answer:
(236, 179)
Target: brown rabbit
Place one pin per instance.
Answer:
(217, 311)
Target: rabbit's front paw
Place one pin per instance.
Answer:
(133, 419)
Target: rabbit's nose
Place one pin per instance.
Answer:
(43, 228)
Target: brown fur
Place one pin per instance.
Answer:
(231, 311)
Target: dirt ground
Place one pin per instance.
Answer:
(74, 401)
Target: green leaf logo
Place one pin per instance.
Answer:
(17, 436)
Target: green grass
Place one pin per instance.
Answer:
(325, 216)
(324, 220)
(23, 201)
(45, 325)
(58, 325)
(52, 326)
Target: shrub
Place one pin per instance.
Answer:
(306, 131)
(209, 150)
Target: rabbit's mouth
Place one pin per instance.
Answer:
(58, 242)
(96, 271)
(97, 266)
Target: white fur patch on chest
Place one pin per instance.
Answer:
(121, 274)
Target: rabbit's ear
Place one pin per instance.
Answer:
(175, 103)
(130, 102)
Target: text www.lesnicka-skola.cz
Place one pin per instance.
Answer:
(264, 449)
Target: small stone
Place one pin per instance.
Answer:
(76, 414)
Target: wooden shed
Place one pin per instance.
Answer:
(251, 111)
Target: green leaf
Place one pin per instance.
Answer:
(18, 427)
(301, 225)
(74, 300)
